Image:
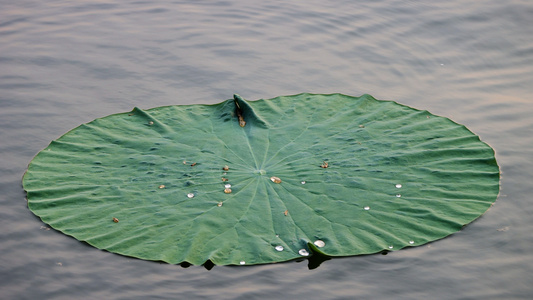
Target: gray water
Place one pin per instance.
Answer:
(63, 63)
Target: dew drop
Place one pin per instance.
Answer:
(162, 186)
(303, 182)
(303, 252)
(219, 204)
(151, 123)
(190, 195)
(367, 207)
(398, 195)
(227, 191)
(390, 247)
(242, 262)
(275, 179)
(411, 242)
(398, 186)
(279, 248)
(319, 243)
(227, 186)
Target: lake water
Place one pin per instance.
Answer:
(63, 63)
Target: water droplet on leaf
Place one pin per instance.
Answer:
(303, 252)
(190, 195)
(279, 248)
(319, 243)
(367, 207)
(275, 179)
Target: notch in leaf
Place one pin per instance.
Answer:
(238, 109)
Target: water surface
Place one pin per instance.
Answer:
(63, 63)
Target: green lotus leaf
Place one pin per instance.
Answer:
(251, 182)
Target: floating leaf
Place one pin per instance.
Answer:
(332, 174)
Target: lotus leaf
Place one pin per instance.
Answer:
(251, 182)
